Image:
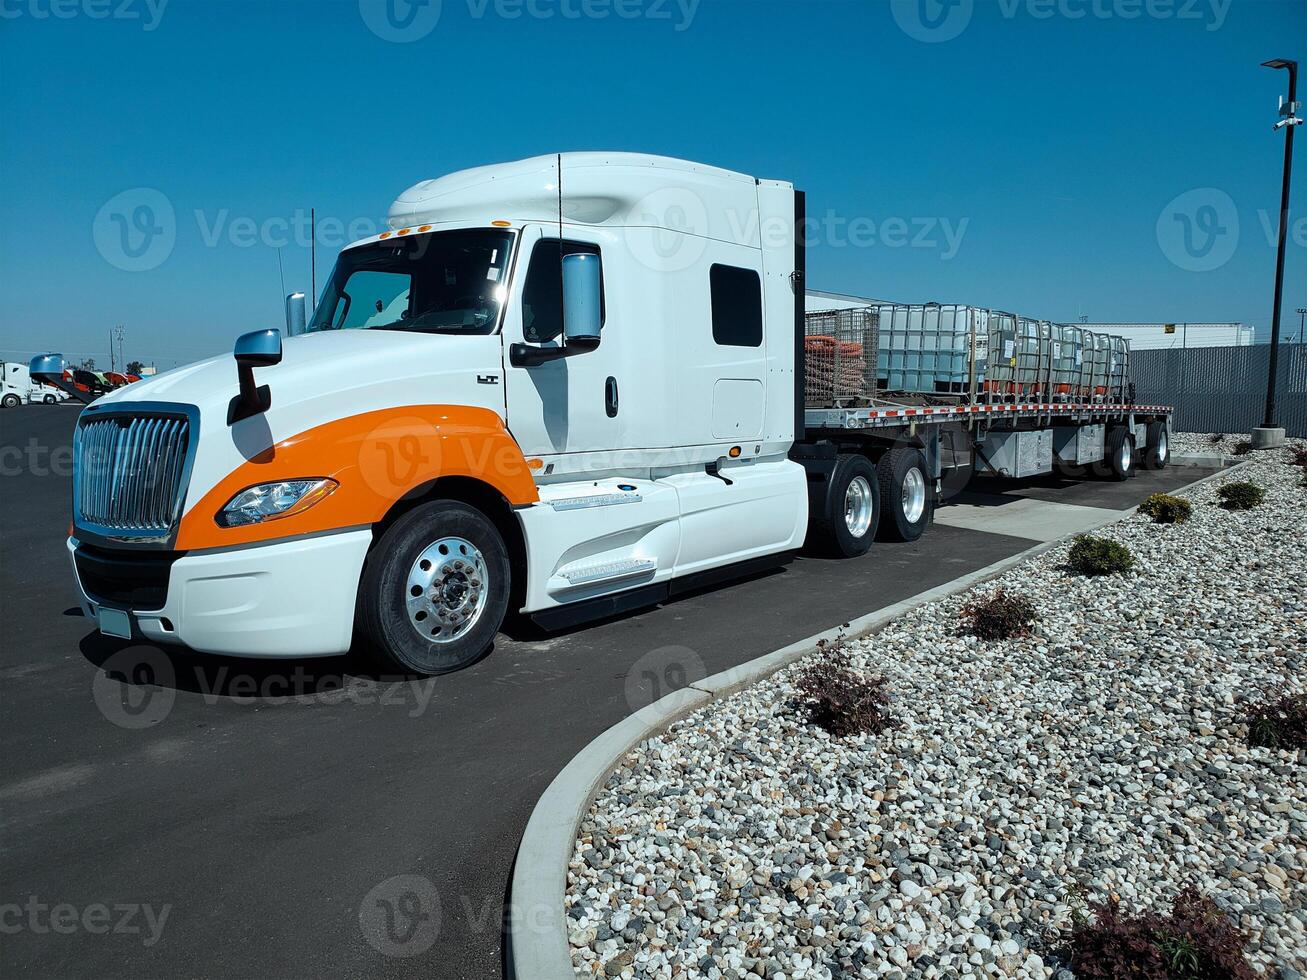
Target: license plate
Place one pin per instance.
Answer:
(115, 622)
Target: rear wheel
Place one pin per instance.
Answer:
(1118, 463)
(1158, 451)
(905, 494)
(11, 401)
(435, 589)
(845, 523)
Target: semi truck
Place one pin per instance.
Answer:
(563, 387)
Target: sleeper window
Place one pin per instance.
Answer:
(736, 306)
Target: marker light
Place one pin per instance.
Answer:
(273, 501)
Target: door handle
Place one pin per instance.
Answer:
(610, 397)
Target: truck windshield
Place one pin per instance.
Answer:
(443, 282)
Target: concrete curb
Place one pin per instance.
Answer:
(539, 949)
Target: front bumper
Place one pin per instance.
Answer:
(285, 599)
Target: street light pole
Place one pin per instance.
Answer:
(1271, 434)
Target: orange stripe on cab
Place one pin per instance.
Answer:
(377, 458)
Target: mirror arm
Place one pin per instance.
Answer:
(528, 355)
(251, 400)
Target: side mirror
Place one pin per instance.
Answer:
(581, 301)
(260, 348)
(296, 314)
(46, 367)
(49, 369)
(582, 313)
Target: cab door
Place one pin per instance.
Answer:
(569, 407)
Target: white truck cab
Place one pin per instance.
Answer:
(15, 384)
(520, 396)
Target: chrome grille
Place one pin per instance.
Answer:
(129, 473)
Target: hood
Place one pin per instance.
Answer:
(322, 377)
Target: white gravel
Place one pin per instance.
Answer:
(1106, 754)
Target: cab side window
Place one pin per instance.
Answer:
(736, 306)
(542, 296)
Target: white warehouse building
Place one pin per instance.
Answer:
(1163, 336)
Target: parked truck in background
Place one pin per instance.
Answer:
(541, 391)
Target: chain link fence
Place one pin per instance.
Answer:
(1223, 389)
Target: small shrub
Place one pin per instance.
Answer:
(1299, 457)
(841, 700)
(999, 616)
(1279, 724)
(1216, 438)
(1242, 448)
(1165, 508)
(1099, 556)
(1196, 941)
(1241, 496)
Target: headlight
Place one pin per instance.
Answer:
(272, 501)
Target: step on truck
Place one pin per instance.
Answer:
(563, 387)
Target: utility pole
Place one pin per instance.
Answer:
(1269, 435)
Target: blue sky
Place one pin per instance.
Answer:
(1047, 156)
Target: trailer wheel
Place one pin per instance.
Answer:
(844, 525)
(1118, 462)
(435, 589)
(1158, 451)
(11, 401)
(905, 494)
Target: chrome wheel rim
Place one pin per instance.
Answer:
(858, 506)
(1163, 449)
(914, 495)
(1126, 455)
(446, 590)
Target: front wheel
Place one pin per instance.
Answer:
(435, 589)
(905, 494)
(48, 399)
(11, 401)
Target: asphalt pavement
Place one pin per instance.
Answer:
(165, 814)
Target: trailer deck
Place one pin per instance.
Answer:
(893, 416)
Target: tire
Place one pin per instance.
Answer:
(460, 548)
(843, 522)
(48, 400)
(906, 498)
(1118, 462)
(11, 401)
(1158, 451)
